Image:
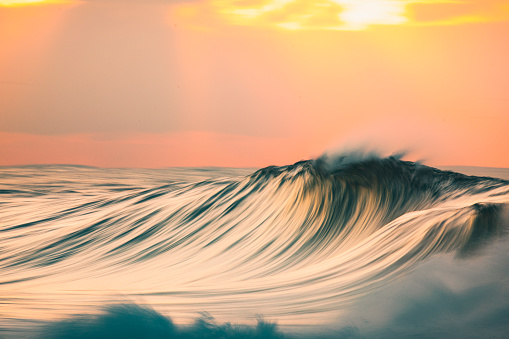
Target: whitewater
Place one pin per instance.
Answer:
(339, 246)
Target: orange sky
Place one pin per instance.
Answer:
(252, 83)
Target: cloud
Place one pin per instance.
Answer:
(345, 14)
(168, 2)
(457, 12)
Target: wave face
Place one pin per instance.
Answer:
(299, 244)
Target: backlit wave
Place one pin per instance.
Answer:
(303, 239)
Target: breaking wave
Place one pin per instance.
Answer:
(294, 243)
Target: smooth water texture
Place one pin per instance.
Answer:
(367, 245)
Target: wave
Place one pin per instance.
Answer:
(287, 242)
(134, 321)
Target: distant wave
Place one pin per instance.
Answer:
(304, 239)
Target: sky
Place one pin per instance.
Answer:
(252, 83)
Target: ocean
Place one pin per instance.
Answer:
(344, 246)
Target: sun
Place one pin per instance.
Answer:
(361, 14)
(320, 14)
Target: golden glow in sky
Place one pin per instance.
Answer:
(19, 2)
(346, 14)
(330, 14)
(259, 82)
(30, 2)
(359, 14)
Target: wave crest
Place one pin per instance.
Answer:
(300, 239)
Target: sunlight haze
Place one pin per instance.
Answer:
(252, 83)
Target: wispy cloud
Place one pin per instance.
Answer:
(345, 14)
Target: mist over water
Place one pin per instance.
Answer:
(344, 246)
